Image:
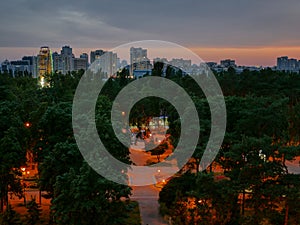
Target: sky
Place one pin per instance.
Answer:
(254, 32)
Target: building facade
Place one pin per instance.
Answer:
(67, 58)
(44, 64)
(96, 55)
(288, 65)
(228, 63)
(139, 60)
(107, 64)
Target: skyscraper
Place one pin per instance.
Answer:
(82, 62)
(57, 63)
(282, 63)
(86, 57)
(107, 64)
(288, 65)
(138, 60)
(228, 63)
(44, 63)
(63, 62)
(67, 58)
(33, 64)
(96, 54)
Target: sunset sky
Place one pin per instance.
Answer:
(252, 32)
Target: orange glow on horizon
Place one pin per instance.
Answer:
(256, 56)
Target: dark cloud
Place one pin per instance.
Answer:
(231, 23)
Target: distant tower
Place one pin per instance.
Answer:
(228, 63)
(57, 63)
(138, 59)
(67, 59)
(96, 55)
(107, 63)
(44, 63)
(86, 57)
(81, 63)
(282, 63)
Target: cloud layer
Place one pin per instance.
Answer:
(107, 23)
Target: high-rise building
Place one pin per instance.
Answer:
(288, 65)
(183, 64)
(228, 63)
(282, 63)
(16, 68)
(139, 60)
(86, 57)
(25, 67)
(57, 63)
(81, 63)
(96, 55)
(44, 62)
(137, 55)
(64, 62)
(33, 64)
(20, 67)
(107, 64)
(293, 65)
(67, 58)
(212, 64)
(5, 66)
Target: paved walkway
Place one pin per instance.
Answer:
(294, 166)
(147, 197)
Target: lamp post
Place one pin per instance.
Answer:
(261, 155)
(163, 113)
(286, 214)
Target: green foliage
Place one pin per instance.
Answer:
(262, 133)
(159, 150)
(50, 139)
(10, 217)
(33, 213)
(176, 186)
(263, 127)
(95, 200)
(158, 69)
(58, 161)
(13, 135)
(134, 217)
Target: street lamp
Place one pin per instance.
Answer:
(163, 113)
(261, 155)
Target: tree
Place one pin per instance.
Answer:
(177, 186)
(33, 212)
(10, 217)
(257, 143)
(159, 150)
(158, 69)
(58, 161)
(95, 200)
(12, 152)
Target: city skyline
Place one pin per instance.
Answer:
(240, 55)
(252, 32)
(140, 64)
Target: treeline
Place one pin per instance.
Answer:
(263, 124)
(39, 121)
(257, 186)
